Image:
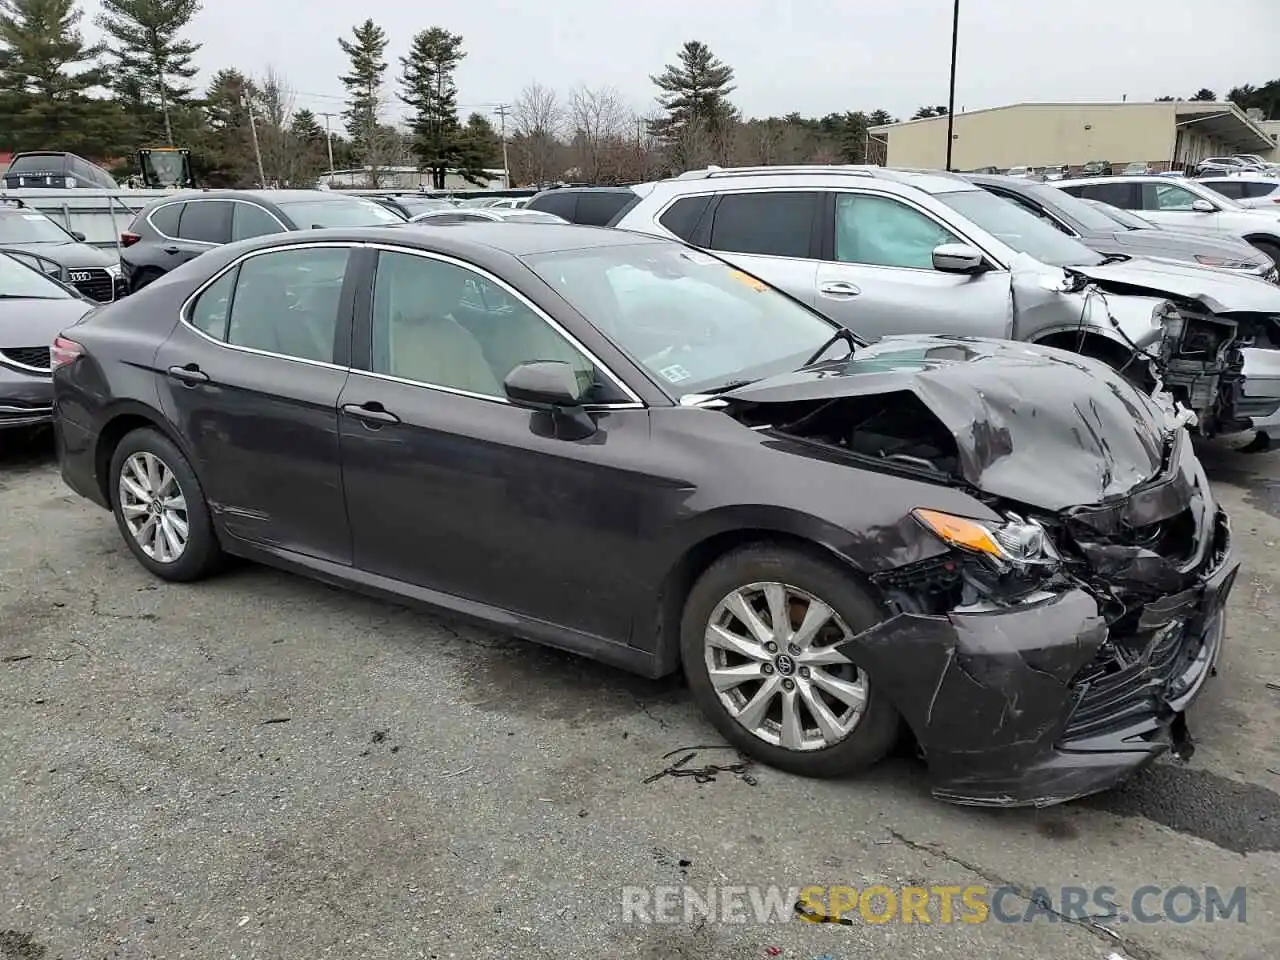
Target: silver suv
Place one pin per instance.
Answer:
(886, 251)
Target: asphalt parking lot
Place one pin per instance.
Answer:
(260, 766)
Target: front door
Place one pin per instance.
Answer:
(252, 377)
(878, 278)
(1169, 205)
(452, 488)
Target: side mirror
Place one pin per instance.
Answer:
(957, 258)
(545, 385)
(78, 235)
(1203, 206)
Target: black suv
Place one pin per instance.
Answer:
(45, 244)
(592, 206)
(176, 229)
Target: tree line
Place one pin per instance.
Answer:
(138, 88)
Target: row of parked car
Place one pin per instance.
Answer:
(1210, 166)
(770, 427)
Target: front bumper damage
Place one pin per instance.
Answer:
(1068, 692)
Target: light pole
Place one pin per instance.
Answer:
(951, 100)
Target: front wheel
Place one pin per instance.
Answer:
(160, 508)
(758, 641)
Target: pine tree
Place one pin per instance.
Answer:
(695, 95)
(306, 128)
(46, 74)
(440, 142)
(364, 83)
(152, 61)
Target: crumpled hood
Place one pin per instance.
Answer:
(34, 323)
(1218, 290)
(1037, 425)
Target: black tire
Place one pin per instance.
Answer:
(143, 277)
(1272, 250)
(202, 555)
(874, 735)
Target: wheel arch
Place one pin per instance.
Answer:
(1264, 242)
(122, 420)
(779, 527)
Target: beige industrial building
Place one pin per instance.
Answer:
(1167, 135)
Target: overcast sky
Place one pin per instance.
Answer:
(811, 56)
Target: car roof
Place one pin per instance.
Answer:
(1239, 178)
(821, 175)
(504, 237)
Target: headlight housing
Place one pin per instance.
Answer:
(1008, 561)
(113, 269)
(1226, 263)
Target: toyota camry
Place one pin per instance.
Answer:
(629, 449)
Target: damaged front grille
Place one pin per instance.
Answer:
(1156, 651)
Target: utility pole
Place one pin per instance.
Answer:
(501, 110)
(257, 152)
(164, 106)
(328, 139)
(951, 101)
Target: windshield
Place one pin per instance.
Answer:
(691, 320)
(1123, 217)
(17, 279)
(345, 212)
(1018, 229)
(165, 168)
(28, 226)
(1076, 209)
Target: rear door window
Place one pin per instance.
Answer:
(206, 221)
(1228, 188)
(1254, 189)
(776, 224)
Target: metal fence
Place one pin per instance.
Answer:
(100, 215)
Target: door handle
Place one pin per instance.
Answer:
(171, 249)
(838, 289)
(371, 412)
(190, 374)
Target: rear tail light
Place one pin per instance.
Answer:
(64, 351)
(129, 239)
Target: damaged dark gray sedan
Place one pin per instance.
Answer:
(626, 448)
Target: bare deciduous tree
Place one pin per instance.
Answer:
(598, 122)
(537, 123)
(274, 110)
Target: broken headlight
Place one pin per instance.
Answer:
(1011, 559)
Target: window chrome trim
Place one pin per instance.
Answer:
(210, 243)
(184, 319)
(184, 312)
(635, 402)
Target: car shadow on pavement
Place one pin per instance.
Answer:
(25, 450)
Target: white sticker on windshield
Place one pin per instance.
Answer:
(675, 373)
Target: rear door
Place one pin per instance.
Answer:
(252, 375)
(774, 234)
(203, 224)
(877, 275)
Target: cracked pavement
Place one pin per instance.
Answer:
(261, 766)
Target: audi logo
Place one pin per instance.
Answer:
(80, 276)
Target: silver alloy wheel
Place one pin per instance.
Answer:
(770, 654)
(154, 507)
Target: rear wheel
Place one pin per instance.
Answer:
(160, 508)
(758, 642)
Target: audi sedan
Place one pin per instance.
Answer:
(623, 447)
